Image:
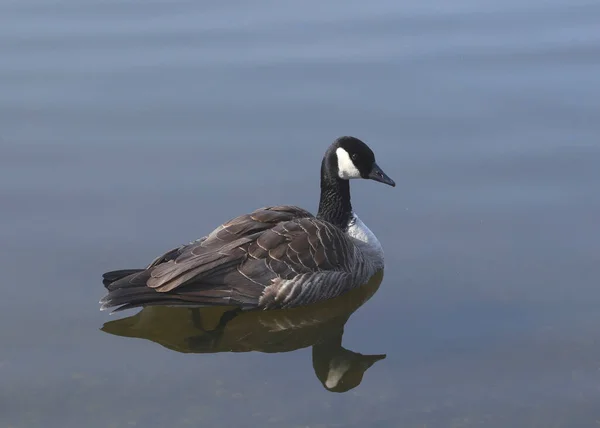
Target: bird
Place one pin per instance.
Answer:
(276, 257)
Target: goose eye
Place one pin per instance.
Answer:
(354, 156)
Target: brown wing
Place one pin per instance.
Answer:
(237, 261)
(295, 247)
(212, 260)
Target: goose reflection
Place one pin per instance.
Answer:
(225, 329)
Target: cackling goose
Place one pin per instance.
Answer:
(274, 257)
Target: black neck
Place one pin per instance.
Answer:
(334, 206)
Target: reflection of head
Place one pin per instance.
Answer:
(339, 369)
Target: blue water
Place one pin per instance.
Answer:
(130, 127)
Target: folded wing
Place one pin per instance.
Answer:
(237, 261)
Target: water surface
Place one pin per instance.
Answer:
(128, 127)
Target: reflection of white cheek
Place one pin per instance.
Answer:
(336, 372)
(346, 168)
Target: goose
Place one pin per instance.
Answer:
(275, 257)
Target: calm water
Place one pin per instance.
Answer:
(129, 127)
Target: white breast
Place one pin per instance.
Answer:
(366, 239)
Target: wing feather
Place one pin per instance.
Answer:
(236, 262)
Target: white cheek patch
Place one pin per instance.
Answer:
(346, 168)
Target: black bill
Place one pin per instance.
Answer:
(377, 174)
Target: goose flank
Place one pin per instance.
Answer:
(272, 258)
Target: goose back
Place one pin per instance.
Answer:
(273, 257)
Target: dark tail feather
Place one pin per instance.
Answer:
(126, 298)
(128, 289)
(133, 297)
(112, 276)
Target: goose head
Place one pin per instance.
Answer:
(354, 159)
